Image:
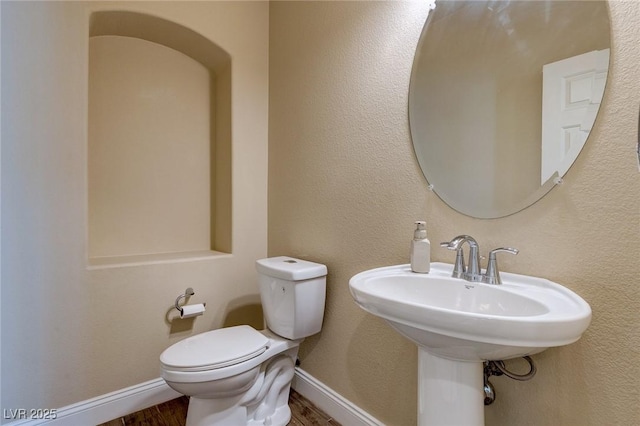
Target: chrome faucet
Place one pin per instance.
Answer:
(472, 272)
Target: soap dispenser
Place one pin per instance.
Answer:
(420, 249)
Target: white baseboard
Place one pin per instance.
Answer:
(102, 408)
(333, 404)
(138, 397)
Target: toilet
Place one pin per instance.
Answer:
(238, 376)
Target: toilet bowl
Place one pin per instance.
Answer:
(240, 376)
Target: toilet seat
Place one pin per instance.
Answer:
(215, 349)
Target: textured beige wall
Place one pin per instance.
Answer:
(100, 330)
(344, 189)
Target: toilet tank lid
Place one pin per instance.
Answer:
(289, 268)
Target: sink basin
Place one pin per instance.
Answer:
(460, 320)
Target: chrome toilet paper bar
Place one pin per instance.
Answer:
(187, 293)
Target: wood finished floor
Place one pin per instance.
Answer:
(174, 413)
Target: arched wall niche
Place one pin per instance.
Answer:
(159, 154)
(161, 31)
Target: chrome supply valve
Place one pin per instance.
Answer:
(497, 368)
(492, 275)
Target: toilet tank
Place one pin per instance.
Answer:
(293, 295)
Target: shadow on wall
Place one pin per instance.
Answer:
(246, 310)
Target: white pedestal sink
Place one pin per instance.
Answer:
(457, 325)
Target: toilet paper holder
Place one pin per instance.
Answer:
(187, 293)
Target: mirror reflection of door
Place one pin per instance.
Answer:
(572, 90)
(475, 98)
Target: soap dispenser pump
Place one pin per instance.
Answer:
(420, 249)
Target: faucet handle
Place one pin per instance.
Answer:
(511, 250)
(492, 276)
(459, 268)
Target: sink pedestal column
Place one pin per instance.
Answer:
(450, 393)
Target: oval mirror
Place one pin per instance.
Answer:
(503, 95)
